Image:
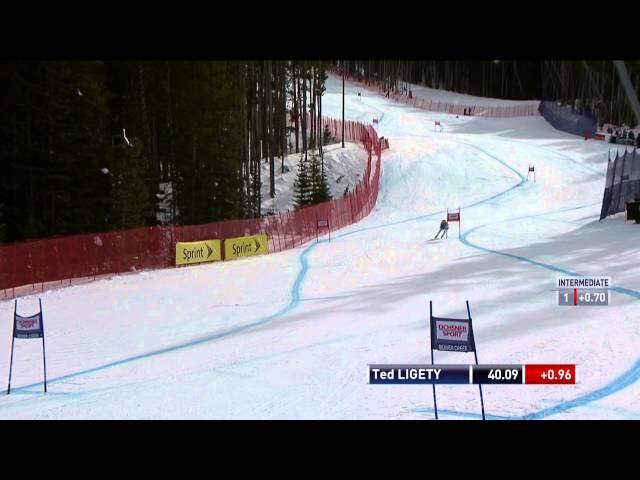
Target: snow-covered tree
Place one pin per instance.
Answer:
(303, 185)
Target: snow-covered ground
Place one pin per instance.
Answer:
(290, 335)
(447, 96)
(463, 99)
(344, 167)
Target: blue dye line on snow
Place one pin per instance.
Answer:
(623, 381)
(293, 303)
(548, 266)
(440, 212)
(555, 152)
(295, 294)
(626, 379)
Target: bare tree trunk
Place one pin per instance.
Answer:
(171, 146)
(244, 144)
(296, 104)
(271, 133)
(312, 109)
(304, 112)
(256, 147)
(284, 115)
(146, 134)
(320, 131)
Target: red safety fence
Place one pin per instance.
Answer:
(36, 265)
(516, 110)
(335, 127)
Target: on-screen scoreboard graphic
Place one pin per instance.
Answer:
(583, 291)
(459, 374)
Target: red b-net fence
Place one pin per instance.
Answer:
(35, 265)
(516, 110)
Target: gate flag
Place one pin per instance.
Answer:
(28, 327)
(452, 335)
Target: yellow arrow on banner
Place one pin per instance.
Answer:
(245, 246)
(198, 252)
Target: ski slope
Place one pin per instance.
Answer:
(290, 335)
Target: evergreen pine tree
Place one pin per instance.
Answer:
(78, 125)
(320, 191)
(130, 200)
(302, 187)
(228, 198)
(53, 142)
(314, 173)
(202, 127)
(324, 192)
(207, 142)
(326, 136)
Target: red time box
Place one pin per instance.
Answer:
(542, 373)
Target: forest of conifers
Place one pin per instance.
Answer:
(92, 146)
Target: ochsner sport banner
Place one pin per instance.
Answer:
(449, 334)
(28, 327)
